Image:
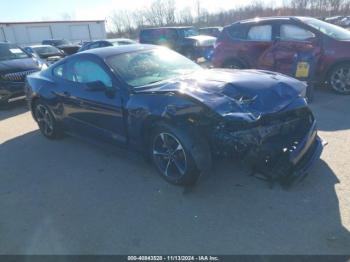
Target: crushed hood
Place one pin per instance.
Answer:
(244, 94)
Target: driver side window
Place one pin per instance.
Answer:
(86, 71)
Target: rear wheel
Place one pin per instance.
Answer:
(46, 121)
(339, 79)
(172, 156)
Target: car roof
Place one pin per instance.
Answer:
(270, 18)
(116, 50)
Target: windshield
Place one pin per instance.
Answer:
(46, 50)
(9, 52)
(190, 32)
(333, 31)
(146, 67)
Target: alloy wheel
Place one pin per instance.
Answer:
(340, 79)
(169, 156)
(44, 119)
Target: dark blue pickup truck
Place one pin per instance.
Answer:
(185, 40)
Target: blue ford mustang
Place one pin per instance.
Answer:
(156, 101)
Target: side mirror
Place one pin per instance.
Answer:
(96, 86)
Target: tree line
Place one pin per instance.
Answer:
(126, 23)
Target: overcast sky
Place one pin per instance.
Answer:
(37, 10)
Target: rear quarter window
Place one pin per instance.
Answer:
(238, 32)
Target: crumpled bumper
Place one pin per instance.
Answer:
(304, 157)
(285, 155)
(300, 160)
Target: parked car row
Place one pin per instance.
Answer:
(16, 62)
(302, 47)
(15, 65)
(305, 48)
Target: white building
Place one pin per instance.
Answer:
(25, 33)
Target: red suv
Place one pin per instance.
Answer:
(280, 43)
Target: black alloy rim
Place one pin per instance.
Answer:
(340, 79)
(44, 119)
(169, 156)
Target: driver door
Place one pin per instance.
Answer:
(94, 113)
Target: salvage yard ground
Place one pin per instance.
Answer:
(69, 197)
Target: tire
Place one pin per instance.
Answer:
(172, 155)
(234, 64)
(339, 79)
(46, 121)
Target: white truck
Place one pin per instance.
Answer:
(29, 33)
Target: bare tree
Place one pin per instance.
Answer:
(185, 17)
(164, 13)
(122, 22)
(138, 17)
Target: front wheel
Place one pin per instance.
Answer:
(339, 79)
(172, 155)
(47, 124)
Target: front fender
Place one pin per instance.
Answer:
(145, 110)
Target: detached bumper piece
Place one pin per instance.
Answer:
(281, 148)
(294, 163)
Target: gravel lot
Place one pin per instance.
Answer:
(69, 197)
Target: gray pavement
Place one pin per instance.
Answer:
(69, 197)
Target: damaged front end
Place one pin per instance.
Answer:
(259, 116)
(279, 147)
